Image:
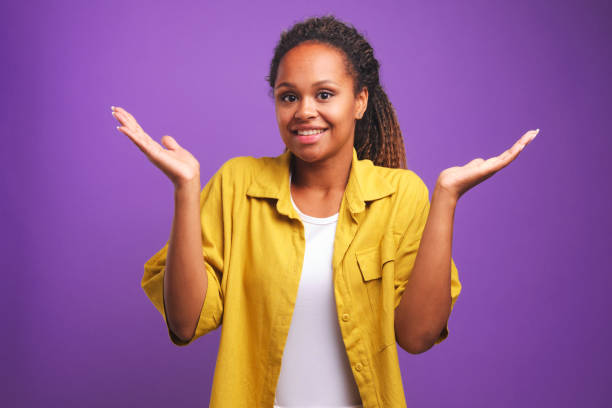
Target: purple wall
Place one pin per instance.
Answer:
(83, 208)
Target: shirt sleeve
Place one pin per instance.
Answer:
(213, 221)
(409, 245)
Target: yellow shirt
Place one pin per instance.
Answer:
(253, 248)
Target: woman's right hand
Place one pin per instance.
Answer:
(177, 163)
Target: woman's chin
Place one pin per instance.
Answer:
(309, 153)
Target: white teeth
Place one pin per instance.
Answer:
(309, 132)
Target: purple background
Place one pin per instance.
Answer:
(83, 208)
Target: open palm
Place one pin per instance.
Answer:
(457, 180)
(176, 162)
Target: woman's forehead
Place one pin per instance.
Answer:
(310, 63)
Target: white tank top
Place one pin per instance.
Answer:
(315, 370)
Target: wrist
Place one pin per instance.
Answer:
(444, 196)
(188, 186)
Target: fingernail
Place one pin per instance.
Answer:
(112, 108)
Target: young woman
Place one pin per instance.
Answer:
(319, 260)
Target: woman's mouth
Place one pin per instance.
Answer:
(309, 136)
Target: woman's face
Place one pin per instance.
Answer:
(314, 94)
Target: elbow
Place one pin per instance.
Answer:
(181, 333)
(187, 334)
(416, 344)
(415, 340)
(406, 339)
(180, 337)
(183, 338)
(414, 347)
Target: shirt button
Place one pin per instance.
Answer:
(345, 317)
(358, 367)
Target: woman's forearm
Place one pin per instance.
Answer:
(425, 304)
(185, 279)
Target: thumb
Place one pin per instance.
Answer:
(170, 143)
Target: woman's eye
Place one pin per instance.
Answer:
(284, 98)
(292, 98)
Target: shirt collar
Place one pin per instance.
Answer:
(364, 184)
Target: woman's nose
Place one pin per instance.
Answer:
(306, 109)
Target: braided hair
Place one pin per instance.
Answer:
(377, 134)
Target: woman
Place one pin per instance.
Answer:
(309, 259)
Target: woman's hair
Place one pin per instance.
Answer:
(377, 134)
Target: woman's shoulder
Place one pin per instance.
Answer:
(244, 164)
(240, 172)
(405, 180)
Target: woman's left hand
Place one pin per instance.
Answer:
(457, 180)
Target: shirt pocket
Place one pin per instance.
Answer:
(377, 267)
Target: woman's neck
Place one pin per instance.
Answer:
(328, 175)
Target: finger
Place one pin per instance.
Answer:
(135, 137)
(476, 162)
(127, 124)
(144, 142)
(170, 143)
(526, 138)
(120, 118)
(510, 154)
(126, 121)
(127, 116)
(496, 163)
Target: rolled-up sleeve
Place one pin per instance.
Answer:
(212, 218)
(409, 244)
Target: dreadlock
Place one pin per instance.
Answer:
(377, 134)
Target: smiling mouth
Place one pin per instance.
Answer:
(308, 132)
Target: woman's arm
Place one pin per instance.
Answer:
(185, 279)
(425, 304)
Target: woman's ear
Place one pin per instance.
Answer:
(362, 103)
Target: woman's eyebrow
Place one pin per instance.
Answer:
(290, 85)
